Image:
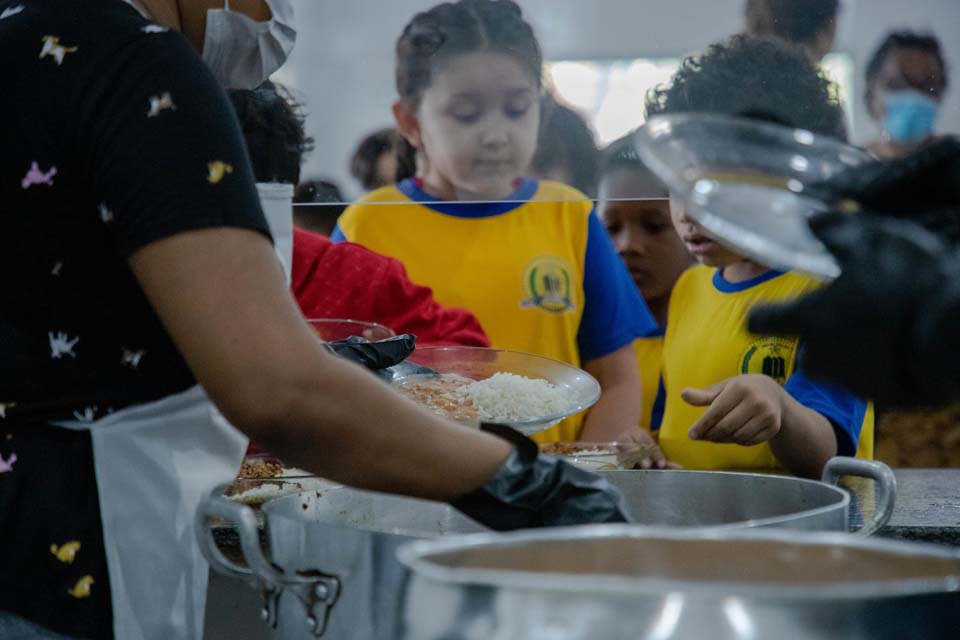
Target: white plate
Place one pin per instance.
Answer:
(478, 363)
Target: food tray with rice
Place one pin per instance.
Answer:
(473, 384)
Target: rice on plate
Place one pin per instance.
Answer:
(502, 398)
(505, 397)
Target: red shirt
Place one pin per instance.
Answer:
(346, 280)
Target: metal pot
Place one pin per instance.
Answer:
(615, 582)
(748, 500)
(333, 572)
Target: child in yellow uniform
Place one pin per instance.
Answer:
(529, 258)
(733, 399)
(635, 208)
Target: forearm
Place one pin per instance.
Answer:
(373, 438)
(612, 416)
(221, 296)
(620, 406)
(806, 440)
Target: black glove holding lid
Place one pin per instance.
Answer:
(923, 187)
(531, 490)
(888, 328)
(375, 355)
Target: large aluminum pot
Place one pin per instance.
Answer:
(618, 582)
(746, 500)
(332, 570)
(340, 543)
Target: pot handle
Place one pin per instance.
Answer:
(880, 473)
(217, 506)
(317, 591)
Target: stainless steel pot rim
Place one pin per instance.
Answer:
(415, 556)
(842, 495)
(843, 500)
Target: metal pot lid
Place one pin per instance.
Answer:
(750, 184)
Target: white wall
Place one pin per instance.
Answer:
(343, 63)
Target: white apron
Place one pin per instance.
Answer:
(276, 200)
(154, 464)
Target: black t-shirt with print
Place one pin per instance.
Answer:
(113, 135)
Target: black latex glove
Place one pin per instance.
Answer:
(923, 187)
(532, 490)
(375, 355)
(888, 328)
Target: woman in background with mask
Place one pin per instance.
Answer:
(906, 81)
(140, 297)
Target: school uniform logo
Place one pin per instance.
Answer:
(548, 284)
(770, 356)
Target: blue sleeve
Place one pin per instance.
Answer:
(844, 410)
(337, 235)
(659, 404)
(614, 313)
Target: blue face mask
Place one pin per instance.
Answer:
(910, 115)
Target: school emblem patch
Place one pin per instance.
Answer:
(769, 356)
(548, 284)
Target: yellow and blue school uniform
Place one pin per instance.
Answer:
(537, 268)
(707, 342)
(649, 356)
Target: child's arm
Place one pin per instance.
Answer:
(752, 409)
(614, 315)
(620, 406)
(616, 416)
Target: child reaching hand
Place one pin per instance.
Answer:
(528, 257)
(734, 399)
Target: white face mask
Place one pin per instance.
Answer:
(242, 52)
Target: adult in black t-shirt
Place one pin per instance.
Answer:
(114, 138)
(136, 263)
